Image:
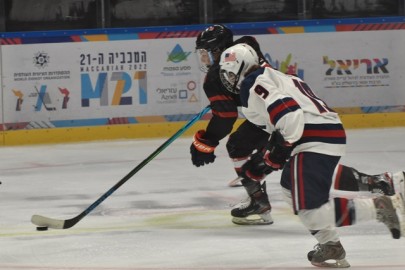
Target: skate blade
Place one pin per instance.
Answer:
(244, 221)
(236, 182)
(336, 264)
(262, 219)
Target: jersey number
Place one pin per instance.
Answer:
(261, 91)
(306, 90)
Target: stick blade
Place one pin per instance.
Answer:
(42, 221)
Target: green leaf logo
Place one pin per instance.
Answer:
(177, 55)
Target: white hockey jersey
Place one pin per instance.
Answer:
(274, 100)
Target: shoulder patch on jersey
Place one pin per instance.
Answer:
(247, 84)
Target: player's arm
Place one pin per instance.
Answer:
(287, 117)
(284, 114)
(224, 109)
(224, 115)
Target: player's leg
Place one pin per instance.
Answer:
(242, 143)
(256, 210)
(349, 179)
(386, 209)
(308, 174)
(306, 179)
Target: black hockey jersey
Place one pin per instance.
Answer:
(224, 104)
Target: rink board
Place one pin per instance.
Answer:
(165, 130)
(145, 82)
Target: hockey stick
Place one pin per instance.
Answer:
(46, 222)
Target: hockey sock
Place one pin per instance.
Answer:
(344, 212)
(365, 210)
(350, 179)
(325, 235)
(349, 212)
(238, 162)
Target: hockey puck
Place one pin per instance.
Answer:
(42, 228)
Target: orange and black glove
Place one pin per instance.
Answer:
(202, 149)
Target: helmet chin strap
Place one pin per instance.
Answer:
(238, 76)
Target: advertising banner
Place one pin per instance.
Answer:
(92, 83)
(356, 72)
(1, 91)
(154, 77)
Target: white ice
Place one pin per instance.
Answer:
(170, 215)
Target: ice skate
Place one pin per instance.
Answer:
(255, 211)
(387, 183)
(391, 211)
(330, 254)
(382, 184)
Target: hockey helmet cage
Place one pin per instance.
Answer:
(234, 63)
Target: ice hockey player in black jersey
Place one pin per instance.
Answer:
(224, 105)
(249, 138)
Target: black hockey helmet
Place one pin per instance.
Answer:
(211, 43)
(215, 38)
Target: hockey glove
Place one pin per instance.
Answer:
(277, 151)
(255, 168)
(202, 150)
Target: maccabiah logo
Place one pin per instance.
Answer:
(41, 59)
(113, 78)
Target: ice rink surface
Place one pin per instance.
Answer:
(170, 215)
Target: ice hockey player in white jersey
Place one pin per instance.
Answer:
(307, 141)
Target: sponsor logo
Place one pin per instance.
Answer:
(177, 56)
(176, 92)
(358, 72)
(113, 78)
(41, 59)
